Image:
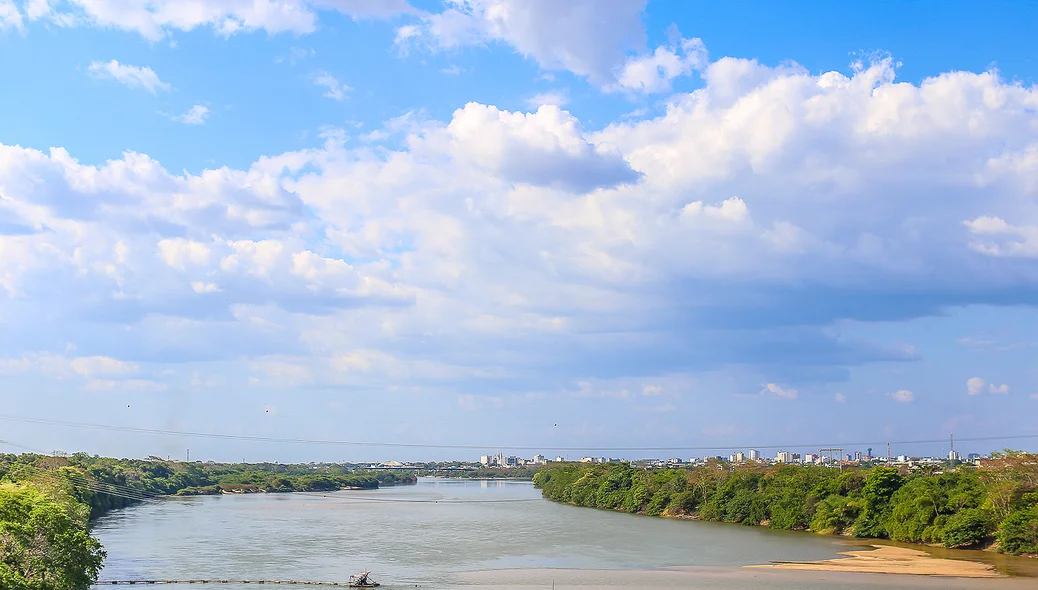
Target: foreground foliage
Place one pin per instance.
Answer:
(965, 507)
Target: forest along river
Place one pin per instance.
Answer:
(462, 534)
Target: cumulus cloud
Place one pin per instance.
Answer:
(544, 148)
(654, 72)
(127, 75)
(903, 396)
(196, 115)
(157, 19)
(559, 98)
(586, 37)
(998, 389)
(995, 237)
(974, 386)
(511, 249)
(334, 89)
(773, 389)
(92, 366)
(10, 17)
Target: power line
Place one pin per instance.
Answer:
(327, 442)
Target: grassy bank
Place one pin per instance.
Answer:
(992, 506)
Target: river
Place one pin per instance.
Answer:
(460, 534)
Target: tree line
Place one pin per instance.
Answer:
(47, 504)
(994, 505)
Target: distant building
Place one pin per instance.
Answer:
(485, 460)
(857, 457)
(539, 460)
(559, 459)
(784, 457)
(754, 455)
(740, 457)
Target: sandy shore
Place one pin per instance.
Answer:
(723, 578)
(884, 559)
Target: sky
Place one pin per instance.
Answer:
(638, 225)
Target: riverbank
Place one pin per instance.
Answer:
(965, 507)
(725, 577)
(885, 559)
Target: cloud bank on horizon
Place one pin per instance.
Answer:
(859, 244)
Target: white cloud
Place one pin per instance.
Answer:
(127, 75)
(124, 385)
(652, 390)
(42, 362)
(903, 396)
(282, 373)
(157, 19)
(654, 72)
(559, 98)
(544, 148)
(196, 115)
(93, 366)
(178, 252)
(995, 237)
(974, 386)
(776, 390)
(452, 70)
(333, 88)
(201, 287)
(999, 389)
(506, 240)
(840, 398)
(10, 17)
(587, 37)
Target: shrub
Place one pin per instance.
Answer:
(967, 528)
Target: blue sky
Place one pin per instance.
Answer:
(530, 223)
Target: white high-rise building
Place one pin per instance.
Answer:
(754, 455)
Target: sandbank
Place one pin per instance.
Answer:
(720, 578)
(884, 559)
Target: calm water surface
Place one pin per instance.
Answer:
(437, 534)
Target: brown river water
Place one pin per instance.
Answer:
(467, 534)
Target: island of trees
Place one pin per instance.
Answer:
(992, 506)
(47, 504)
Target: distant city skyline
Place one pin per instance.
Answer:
(502, 222)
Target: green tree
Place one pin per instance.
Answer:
(44, 544)
(1019, 532)
(967, 528)
(880, 486)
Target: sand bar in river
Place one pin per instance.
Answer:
(884, 559)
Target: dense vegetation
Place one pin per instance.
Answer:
(965, 507)
(46, 504)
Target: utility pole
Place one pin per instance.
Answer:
(189, 455)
